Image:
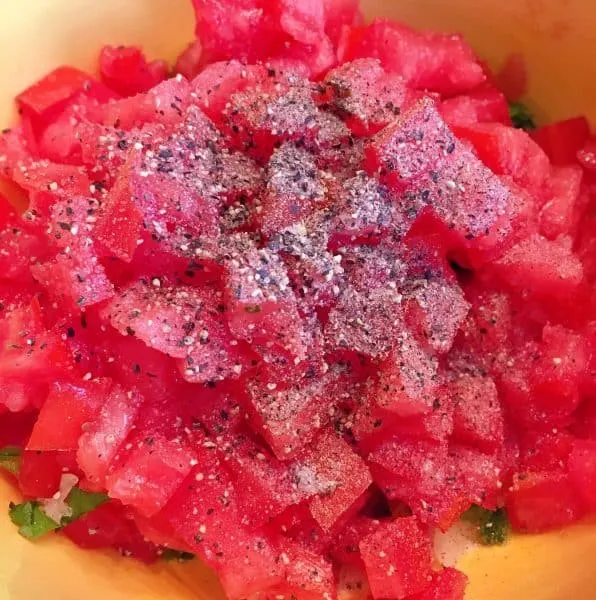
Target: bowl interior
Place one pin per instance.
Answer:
(555, 38)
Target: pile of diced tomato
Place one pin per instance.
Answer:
(296, 307)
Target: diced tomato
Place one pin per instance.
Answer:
(542, 501)
(485, 104)
(151, 475)
(126, 70)
(188, 62)
(40, 472)
(436, 62)
(19, 246)
(101, 440)
(110, 526)
(365, 95)
(267, 486)
(397, 558)
(559, 214)
(181, 322)
(301, 305)
(75, 280)
(477, 416)
(406, 382)
(288, 414)
(64, 414)
(338, 476)
(448, 584)
(582, 470)
(29, 349)
(204, 514)
(563, 140)
(44, 100)
(508, 151)
(15, 427)
(512, 77)
(587, 155)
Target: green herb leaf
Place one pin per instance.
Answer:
(10, 459)
(179, 555)
(31, 520)
(521, 116)
(495, 529)
(82, 502)
(493, 525)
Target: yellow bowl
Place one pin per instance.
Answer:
(556, 38)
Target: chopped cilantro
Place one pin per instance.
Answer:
(170, 554)
(82, 502)
(10, 459)
(31, 520)
(493, 525)
(494, 529)
(521, 116)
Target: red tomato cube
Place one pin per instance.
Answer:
(295, 189)
(365, 95)
(266, 483)
(562, 140)
(429, 61)
(478, 418)
(485, 104)
(582, 470)
(101, 441)
(126, 70)
(539, 502)
(407, 381)
(64, 413)
(151, 475)
(397, 558)
(338, 477)
(41, 472)
(508, 151)
(448, 584)
(559, 213)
